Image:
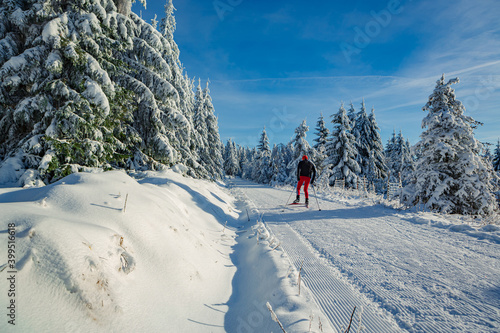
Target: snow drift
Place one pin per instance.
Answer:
(84, 260)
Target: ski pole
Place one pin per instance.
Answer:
(289, 197)
(316, 196)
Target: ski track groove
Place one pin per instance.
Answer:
(366, 286)
(336, 297)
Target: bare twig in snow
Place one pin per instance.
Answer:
(300, 271)
(125, 205)
(311, 317)
(274, 316)
(350, 322)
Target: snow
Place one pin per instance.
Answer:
(100, 75)
(14, 64)
(53, 30)
(162, 252)
(89, 24)
(54, 62)
(163, 262)
(408, 271)
(46, 159)
(95, 95)
(180, 168)
(18, 17)
(51, 131)
(11, 169)
(70, 51)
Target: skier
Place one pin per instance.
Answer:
(306, 172)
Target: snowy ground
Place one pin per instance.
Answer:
(411, 272)
(181, 257)
(85, 265)
(193, 256)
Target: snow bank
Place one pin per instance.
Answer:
(108, 253)
(265, 275)
(456, 223)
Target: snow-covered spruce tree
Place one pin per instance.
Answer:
(86, 83)
(361, 131)
(213, 151)
(248, 163)
(496, 157)
(351, 114)
(241, 158)
(487, 152)
(236, 151)
(377, 168)
(280, 157)
(209, 145)
(262, 171)
(400, 159)
(263, 144)
(389, 151)
(322, 134)
(450, 175)
(341, 151)
(300, 147)
(231, 164)
(407, 162)
(188, 138)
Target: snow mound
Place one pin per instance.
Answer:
(108, 253)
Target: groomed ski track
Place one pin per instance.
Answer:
(402, 275)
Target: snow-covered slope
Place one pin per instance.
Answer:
(85, 264)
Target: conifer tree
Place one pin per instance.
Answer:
(322, 134)
(496, 157)
(263, 145)
(300, 147)
(399, 158)
(248, 163)
(280, 157)
(361, 132)
(403, 164)
(211, 154)
(231, 163)
(390, 149)
(89, 84)
(341, 151)
(378, 168)
(187, 137)
(450, 175)
(351, 114)
(262, 171)
(242, 153)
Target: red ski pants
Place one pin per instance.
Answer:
(303, 180)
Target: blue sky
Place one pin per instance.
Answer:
(275, 63)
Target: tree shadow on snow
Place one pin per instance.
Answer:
(277, 215)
